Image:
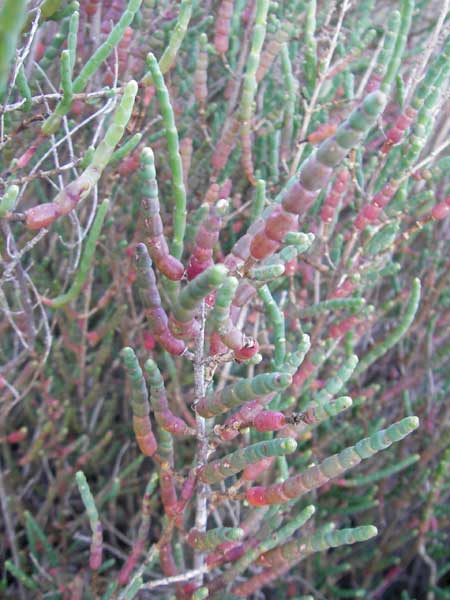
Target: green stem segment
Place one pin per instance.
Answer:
(318, 542)
(176, 165)
(52, 124)
(333, 466)
(86, 260)
(406, 12)
(168, 57)
(397, 333)
(231, 464)
(12, 17)
(8, 201)
(95, 560)
(107, 47)
(244, 390)
(250, 85)
(43, 215)
(244, 347)
(151, 300)
(334, 385)
(182, 321)
(293, 552)
(272, 541)
(208, 540)
(163, 415)
(158, 249)
(139, 403)
(315, 173)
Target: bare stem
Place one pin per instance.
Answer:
(201, 514)
(175, 578)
